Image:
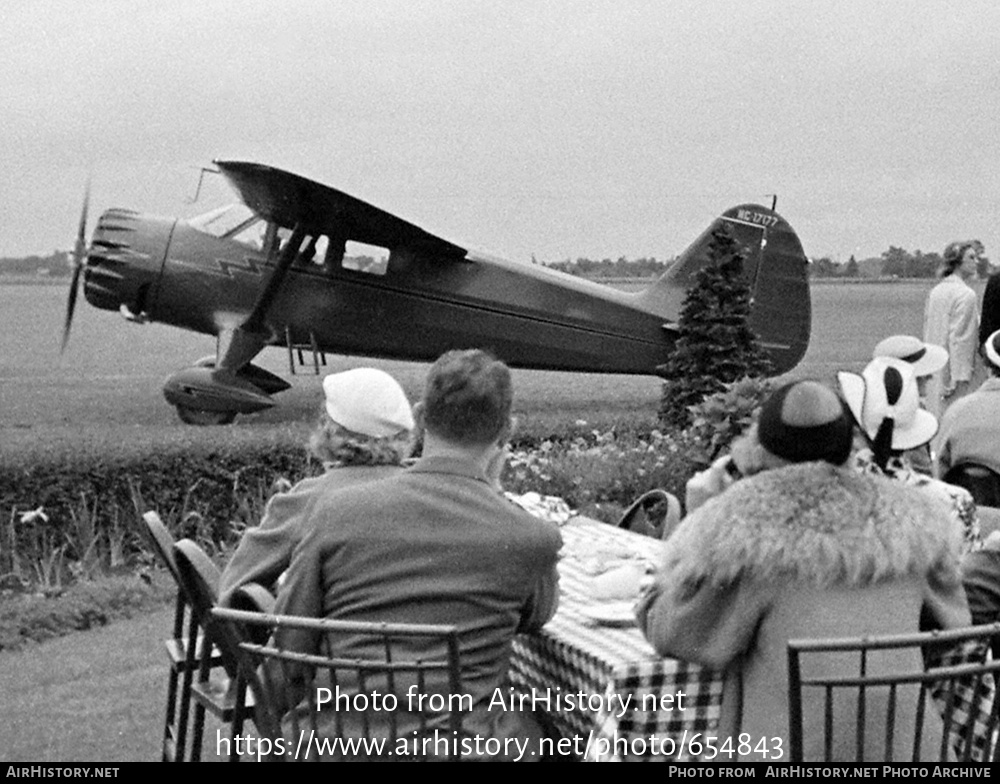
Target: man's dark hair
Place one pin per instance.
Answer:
(468, 397)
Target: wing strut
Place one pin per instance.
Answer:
(288, 255)
(237, 347)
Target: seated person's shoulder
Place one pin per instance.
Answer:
(314, 489)
(544, 533)
(329, 480)
(963, 411)
(348, 476)
(547, 536)
(336, 493)
(920, 494)
(837, 493)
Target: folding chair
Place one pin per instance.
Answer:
(399, 660)
(215, 689)
(860, 706)
(161, 543)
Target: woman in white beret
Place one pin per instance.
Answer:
(364, 434)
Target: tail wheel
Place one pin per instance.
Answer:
(198, 416)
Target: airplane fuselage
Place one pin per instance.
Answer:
(280, 275)
(415, 307)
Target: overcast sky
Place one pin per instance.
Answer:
(559, 129)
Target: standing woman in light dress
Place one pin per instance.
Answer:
(951, 320)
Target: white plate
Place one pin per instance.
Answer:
(611, 613)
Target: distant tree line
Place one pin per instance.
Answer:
(893, 263)
(56, 264)
(606, 268)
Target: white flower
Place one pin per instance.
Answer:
(280, 485)
(34, 516)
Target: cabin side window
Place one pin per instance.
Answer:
(361, 257)
(325, 253)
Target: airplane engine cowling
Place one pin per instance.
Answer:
(208, 389)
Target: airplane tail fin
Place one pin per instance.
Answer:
(775, 268)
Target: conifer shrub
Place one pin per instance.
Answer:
(715, 345)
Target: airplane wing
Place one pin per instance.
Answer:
(290, 200)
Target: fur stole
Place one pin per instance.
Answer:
(818, 524)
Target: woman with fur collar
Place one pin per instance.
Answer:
(807, 548)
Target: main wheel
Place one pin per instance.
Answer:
(198, 416)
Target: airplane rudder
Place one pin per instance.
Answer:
(781, 307)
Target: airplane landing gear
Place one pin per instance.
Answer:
(198, 416)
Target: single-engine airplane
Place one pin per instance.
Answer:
(273, 271)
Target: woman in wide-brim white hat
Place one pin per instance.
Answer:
(885, 404)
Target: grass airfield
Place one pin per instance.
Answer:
(87, 696)
(105, 391)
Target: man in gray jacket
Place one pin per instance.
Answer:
(437, 544)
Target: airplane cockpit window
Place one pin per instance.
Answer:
(361, 257)
(251, 234)
(234, 221)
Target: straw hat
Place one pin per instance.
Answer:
(926, 358)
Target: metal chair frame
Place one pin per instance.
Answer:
(268, 668)
(949, 684)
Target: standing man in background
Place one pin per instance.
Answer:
(436, 543)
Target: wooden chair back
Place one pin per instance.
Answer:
(199, 579)
(223, 696)
(160, 541)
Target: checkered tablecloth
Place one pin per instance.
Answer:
(627, 684)
(968, 703)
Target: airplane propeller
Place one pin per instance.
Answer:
(79, 262)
